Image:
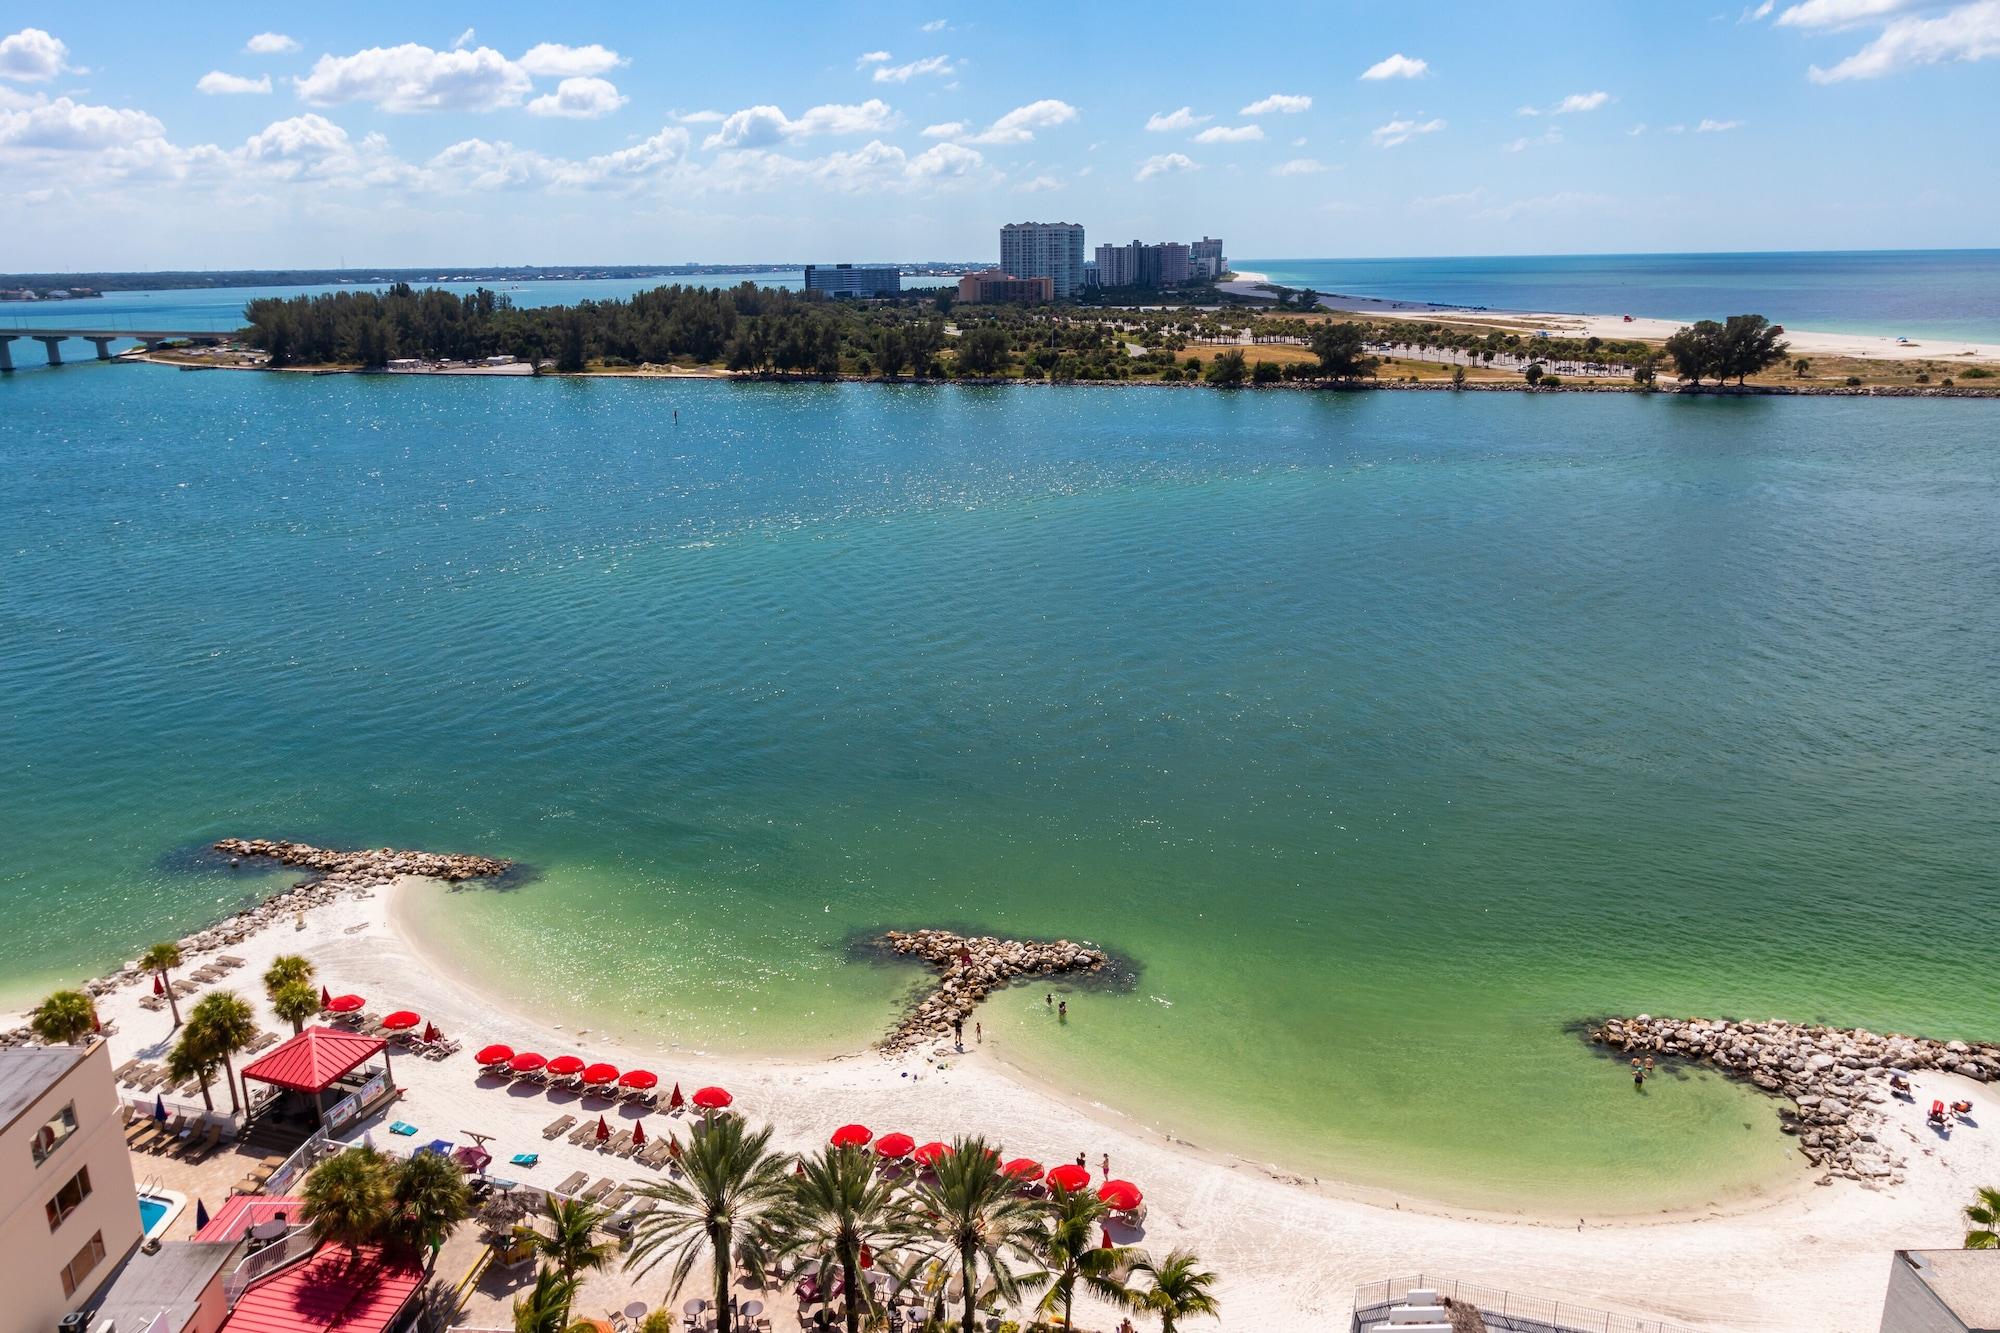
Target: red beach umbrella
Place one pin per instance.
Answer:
(345, 1004)
(496, 1054)
(1121, 1196)
(431, 1033)
(676, 1102)
(1069, 1176)
(931, 1152)
(159, 987)
(401, 1019)
(565, 1065)
(712, 1099)
(640, 1079)
(1022, 1168)
(603, 1130)
(526, 1062)
(601, 1073)
(325, 999)
(851, 1136)
(638, 1133)
(867, 1257)
(894, 1145)
(1107, 1245)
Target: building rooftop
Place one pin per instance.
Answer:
(1966, 1282)
(168, 1283)
(244, 1211)
(311, 1061)
(26, 1072)
(328, 1293)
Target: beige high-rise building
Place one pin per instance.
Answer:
(1052, 250)
(69, 1207)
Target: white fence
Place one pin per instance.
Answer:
(1503, 1311)
(299, 1243)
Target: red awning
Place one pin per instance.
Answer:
(330, 1293)
(1069, 1176)
(850, 1136)
(311, 1061)
(895, 1145)
(1121, 1195)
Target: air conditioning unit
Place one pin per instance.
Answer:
(78, 1323)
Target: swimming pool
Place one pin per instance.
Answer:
(158, 1209)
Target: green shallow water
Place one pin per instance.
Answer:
(1386, 735)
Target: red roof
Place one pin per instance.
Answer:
(244, 1211)
(311, 1061)
(328, 1292)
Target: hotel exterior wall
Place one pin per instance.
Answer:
(32, 1256)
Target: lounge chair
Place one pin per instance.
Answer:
(403, 1127)
(573, 1182)
(210, 1141)
(143, 1140)
(618, 1143)
(524, 1159)
(583, 1133)
(231, 959)
(120, 1074)
(616, 1199)
(599, 1190)
(557, 1126)
(169, 1134)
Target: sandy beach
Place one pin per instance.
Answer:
(1290, 1253)
(1804, 342)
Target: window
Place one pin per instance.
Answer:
(87, 1258)
(69, 1198)
(50, 1136)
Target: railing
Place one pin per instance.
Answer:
(1503, 1311)
(297, 1164)
(301, 1242)
(348, 1107)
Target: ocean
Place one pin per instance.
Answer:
(1384, 738)
(1939, 295)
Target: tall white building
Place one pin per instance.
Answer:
(1052, 250)
(1206, 259)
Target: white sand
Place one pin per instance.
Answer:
(1290, 1255)
(1804, 342)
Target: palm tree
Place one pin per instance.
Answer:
(1984, 1214)
(732, 1177)
(1066, 1243)
(295, 1002)
(65, 1018)
(545, 1309)
(429, 1198)
(571, 1245)
(189, 1058)
(1177, 1289)
(285, 969)
(981, 1218)
(349, 1199)
(161, 960)
(227, 1025)
(836, 1209)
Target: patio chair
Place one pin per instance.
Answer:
(210, 1141)
(618, 1144)
(121, 1073)
(615, 1200)
(599, 1190)
(573, 1182)
(557, 1126)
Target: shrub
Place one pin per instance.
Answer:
(1945, 382)
(1264, 372)
(1550, 382)
(1924, 377)
(1976, 373)
(1853, 381)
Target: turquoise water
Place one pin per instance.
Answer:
(1384, 735)
(151, 1210)
(1940, 295)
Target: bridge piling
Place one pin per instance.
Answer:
(6, 352)
(53, 342)
(103, 348)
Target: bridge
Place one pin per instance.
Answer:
(52, 338)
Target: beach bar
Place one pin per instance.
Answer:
(322, 1079)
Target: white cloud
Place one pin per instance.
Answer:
(32, 56)
(1966, 33)
(937, 65)
(416, 78)
(216, 83)
(699, 117)
(64, 125)
(945, 159)
(1402, 131)
(1708, 126)
(873, 167)
(1837, 13)
(464, 39)
(1230, 134)
(1165, 164)
(1527, 111)
(1020, 124)
(1183, 118)
(1039, 185)
(664, 149)
(1759, 14)
(1282, 104)
(1522, 144)
(760, 126)
(271, 44)
(1398, 66)
(1576, 102)
(579, 99)
(936, 25)
(950, 129)
(1462, 199)
(871, 58)
(1637, 130)
(1299, 166)
(553, 60)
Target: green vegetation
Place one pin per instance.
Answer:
(732, 1178)
(361, 1197)
(161, 960)
(545, 1307)
(1975, 373)
(288, 986)
(1984, 1214)
(1066, 1245)
(570, 1245)
(222, 1024)
(1743, 346)
(1177, 1288)
(192, 1058)
(835, 1211)
(980, 1220)
(64, 1018)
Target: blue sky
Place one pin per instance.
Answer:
(232, 135)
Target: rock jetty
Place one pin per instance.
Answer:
(1836, 1078)
(372, 865)
(971, 968)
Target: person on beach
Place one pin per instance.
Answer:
(1083, 1161)
(978, 1034)
(1062, 1011)
(1050, 999)
(1105, 1162)
(958, 1032)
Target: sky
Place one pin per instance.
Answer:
(229, 135)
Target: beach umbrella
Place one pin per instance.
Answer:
(527, 1061)
(431, 1033)
(325, 997)
(473, 1157)
(676, 1102)
(894, 1145)
(400, 1020)
(640, 1079)
(496, 1054)
(565, 1065)
(1022, 1168)
(638, 1133)
(1107, 1245)
(850, 1136)
(867, 1257)
(200, 1215)
(345, 1004)
(712, 1099)
(1069, 1176)
(603, 1130)
(601, 1073)
(1121, 1196)
(931, 1152)
(159, 987)
(159, 1108)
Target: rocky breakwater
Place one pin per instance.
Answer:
(370, 865)
(1836, 1078)
(971, 968)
